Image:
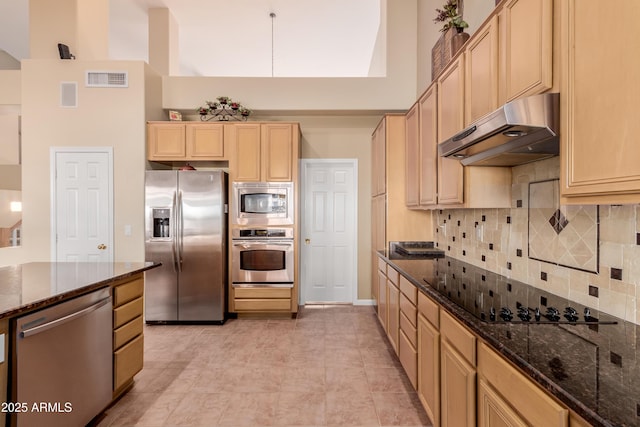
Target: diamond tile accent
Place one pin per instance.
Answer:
(558, 221)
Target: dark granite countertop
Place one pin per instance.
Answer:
(27, 287)
(594, 370)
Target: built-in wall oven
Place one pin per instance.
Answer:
(263, 203)
(262, 257)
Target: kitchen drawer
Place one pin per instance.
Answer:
(393, 275)
(127, 312)
(409, 359)
(429, 310)
(529, 400)
(249, 304)
(382, 265)
(262, 293)
(409, 310)
(458, 337)
(127, 362)
(410, 331)
(127, 292)
(127, 332)
(409, 290)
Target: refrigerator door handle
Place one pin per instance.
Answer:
(174, 238)
(180, 231)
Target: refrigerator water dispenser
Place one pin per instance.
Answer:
(161, 218)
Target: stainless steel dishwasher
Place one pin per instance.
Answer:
(63, 362)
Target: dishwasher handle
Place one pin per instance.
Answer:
(62, 320)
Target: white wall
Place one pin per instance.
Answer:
(104, 117)
(393, 92)
(10, 85)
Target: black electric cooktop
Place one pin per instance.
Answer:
(497, 299)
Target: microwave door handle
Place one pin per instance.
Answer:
(173, 234)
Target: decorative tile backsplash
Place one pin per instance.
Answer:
(498, 240)
(564, 235)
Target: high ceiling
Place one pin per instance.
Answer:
(311, 38)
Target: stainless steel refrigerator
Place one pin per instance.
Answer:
(186, 230)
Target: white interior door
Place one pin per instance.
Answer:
(82, 203)
(328, 263)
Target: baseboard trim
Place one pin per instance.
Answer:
(365, 302)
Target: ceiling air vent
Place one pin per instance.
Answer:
(107, 79)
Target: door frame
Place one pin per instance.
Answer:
(304, 164)
(53, 151)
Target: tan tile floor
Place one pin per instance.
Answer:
(332, 366)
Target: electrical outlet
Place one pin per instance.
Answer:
(479, 233)
(127, 230)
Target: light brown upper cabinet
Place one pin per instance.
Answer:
(526, 48)
(481, 72)
(439, 181)
(167, 141)
(428, 135)
(379, 159)
(412, 156)
(450, 121)
(279, 151)
(599, 96)
(422, 152)
(393, 218)
(263, 152)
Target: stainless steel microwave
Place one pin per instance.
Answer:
(263, 203)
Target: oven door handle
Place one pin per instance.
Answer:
(248, 245)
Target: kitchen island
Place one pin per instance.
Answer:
(29, 288)
(591, 368)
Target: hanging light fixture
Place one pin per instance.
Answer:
(272, 15)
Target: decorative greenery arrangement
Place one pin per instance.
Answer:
(223, 109)
(449, 15)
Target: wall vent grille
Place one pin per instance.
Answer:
(107, 79)
(69, 94)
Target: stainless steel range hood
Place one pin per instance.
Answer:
(521, 131)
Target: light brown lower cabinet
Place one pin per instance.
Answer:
(460, 380)
(429, 368)
(408, 335)
(508, 397)
(457, 388)
(493, 411)
(576, 420)
(408, 358)
(127, 362)
(128, 339)
(261, 299)
(457, 373)
(393, 326)
(382, 299)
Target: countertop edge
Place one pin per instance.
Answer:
(481, 331)
(26, 308)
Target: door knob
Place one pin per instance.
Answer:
(307, 241)
(102, 246)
